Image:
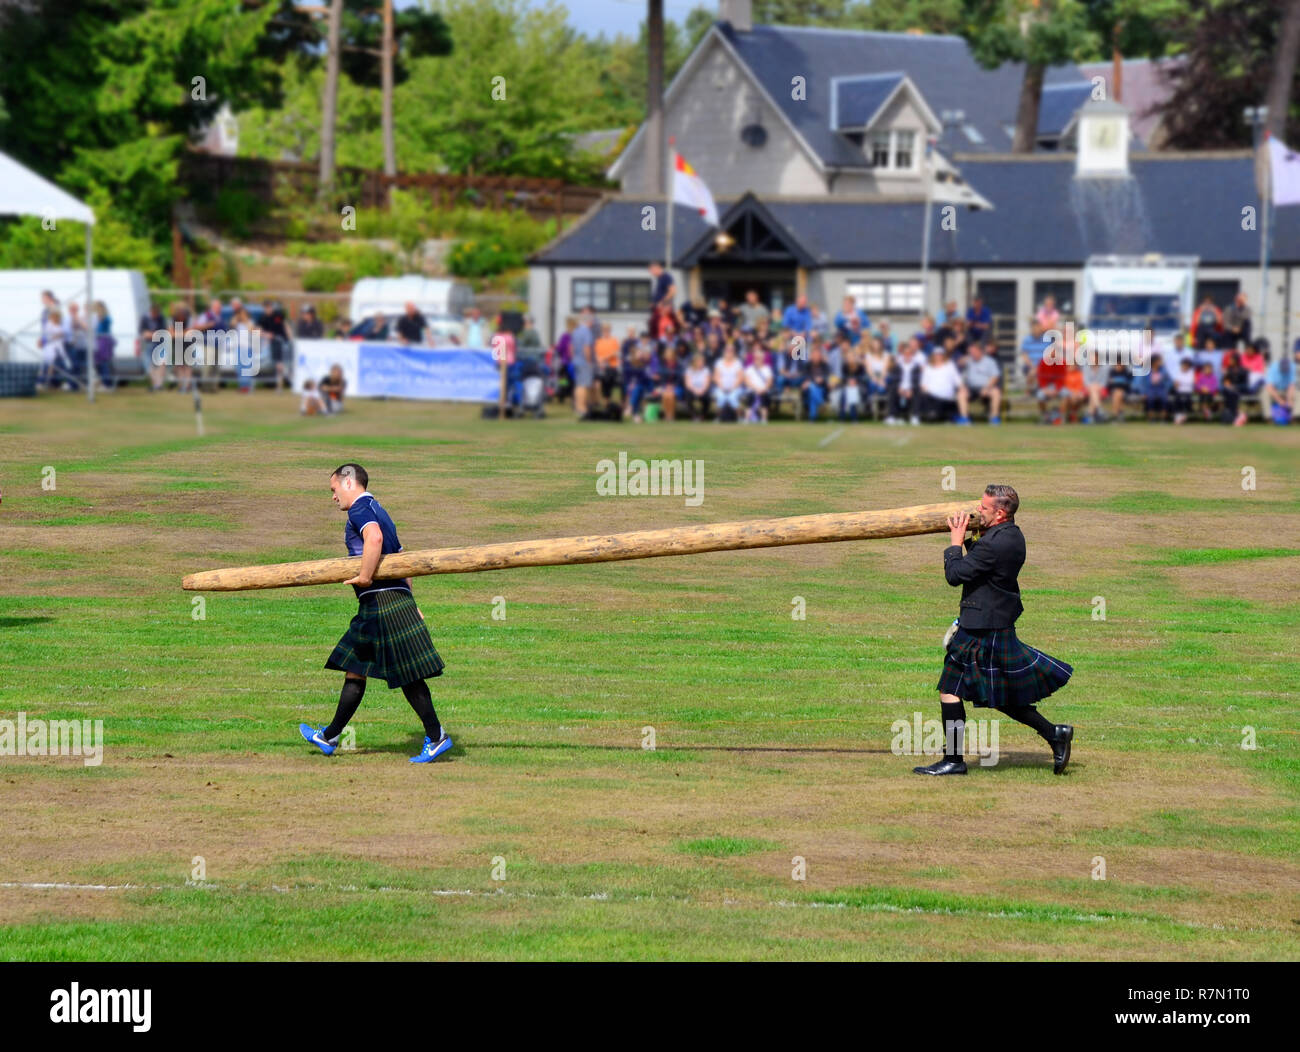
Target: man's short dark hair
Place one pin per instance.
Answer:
(1005, 498)
(352, 471)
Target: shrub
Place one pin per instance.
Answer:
(324, 279)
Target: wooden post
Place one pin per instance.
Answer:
(616, 547)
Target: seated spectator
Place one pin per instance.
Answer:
(1053, 399)
(851, 392)
(1076, 393)
(668, 388)
(816, 383)
(1277, 398)
(728, 385)
(1255, 359)
(637, 381)
(925, 336)
(886, 337)
(905, 385)
(332, 388)
(1184, 390)
(412, 327)
(983, 379)
(309, 327)
(1207, 390)
(943, 395)
(834, 354)
(1160, 386)
(1032, 349)
(1234, 384)
(1096, 373)
(817, 324)
(758, 380)
(312, 402)
(876, 362)
(698, 382)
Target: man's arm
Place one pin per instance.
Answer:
(373, 547)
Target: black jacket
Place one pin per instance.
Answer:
(990, 596)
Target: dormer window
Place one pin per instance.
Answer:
(893, 149)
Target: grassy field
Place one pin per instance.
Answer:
(550, 832)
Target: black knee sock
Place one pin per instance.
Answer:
(349, 699)
(417, 694)
(953, 714)
(1031, 717)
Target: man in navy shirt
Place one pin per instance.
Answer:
(979, 320)
(387, 638)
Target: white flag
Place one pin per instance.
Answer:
(689, 189)
(1284, 173)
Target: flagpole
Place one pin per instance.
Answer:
(1263, 240)
(672, 176)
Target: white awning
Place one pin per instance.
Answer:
(27, 194)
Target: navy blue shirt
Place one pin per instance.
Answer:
(365, 510)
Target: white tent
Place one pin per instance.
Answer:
(27, 194)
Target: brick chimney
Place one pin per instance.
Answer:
(740, 13)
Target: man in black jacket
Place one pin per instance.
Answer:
(985, 663)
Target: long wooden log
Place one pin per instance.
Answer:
(614, 547)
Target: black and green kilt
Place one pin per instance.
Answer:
(994, 670)
(387, 640)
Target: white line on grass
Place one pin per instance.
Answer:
(831, 437)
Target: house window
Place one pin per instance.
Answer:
(887, 297)
(893, 150)
(903, 143)
(626, 297)
(880, 150)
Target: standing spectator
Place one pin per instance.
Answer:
(983, 379)
(378, 329)
(245, 335)
(180, 323)
(1048, 317)
(104, 344)
(1236, 321)
(1277, 398)
(1207, 323)
(561, 360)
(943, 395)
(797, 317)
(851, 321)
(76, 339)
(584, 364)
(53, 356)
(752, 312)
(272, 324)
(979, 320)
(473, 331)
(698, 382)
(309, 327)
(530, 339)
(663, 289)
(905, 385)
(151, 323)
(413, 327)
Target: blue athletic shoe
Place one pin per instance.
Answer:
(963, 421)
(315, 736)
(433, 749)
(995, 420)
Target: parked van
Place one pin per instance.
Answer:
(123, 292)
(443, 303)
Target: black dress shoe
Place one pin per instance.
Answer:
(943, 767)
(1061, 746)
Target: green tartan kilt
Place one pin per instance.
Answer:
(387, 640)
(993, 669)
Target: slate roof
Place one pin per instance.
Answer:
(941, 67)
(856, 100)
(1059, 104)
(1186, 204)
